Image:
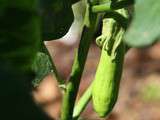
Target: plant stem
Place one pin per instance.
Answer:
(111, 6)
(101, 8)
(78, 66)
(82, 103)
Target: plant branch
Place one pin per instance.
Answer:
(101, 8)
(112, 6)
(82, 103)
(78, 66)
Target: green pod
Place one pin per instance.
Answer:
(106, 84)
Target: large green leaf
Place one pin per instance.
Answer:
(145, 27)
(57, 18)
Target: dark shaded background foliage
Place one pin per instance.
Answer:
(20, 36)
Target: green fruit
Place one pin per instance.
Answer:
(106, 83)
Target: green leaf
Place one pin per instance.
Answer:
(57, 18)
(145, 27)
(42, 67)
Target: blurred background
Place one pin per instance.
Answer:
(139, 93)
(140, 84)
